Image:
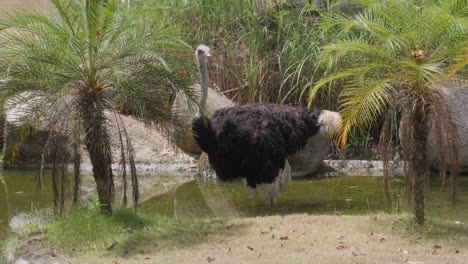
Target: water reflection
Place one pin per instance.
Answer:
(19, 192)
(347, 195)
(184, 196)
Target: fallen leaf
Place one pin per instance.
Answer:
(181, 222)
(341, 247)
(147, 258)
(210, 259)
(263, 232)
(435, 248)
(404, 251)
(251, 248)
(111, 246)
(116, 262)
(284, 238)
(428, 230)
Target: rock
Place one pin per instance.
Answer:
(456, 95)
(340, 168)
(184, 138)
(151, 147)
(21, 261)
(18, 111)
(22, 223)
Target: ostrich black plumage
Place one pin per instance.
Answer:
(252, 141)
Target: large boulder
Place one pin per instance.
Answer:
(455, 94)
(20, 114)
(151, 147)
(183, 138)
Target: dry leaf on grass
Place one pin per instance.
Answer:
(435, 248)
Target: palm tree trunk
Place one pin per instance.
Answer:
(102, 172)
(413, 136)
(97, 143)
(420, 170)
(419, 165)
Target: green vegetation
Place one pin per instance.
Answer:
(262, 52)
(7, 248)
(87, 229)
(379, 64)
(392, 58)
(89, 58)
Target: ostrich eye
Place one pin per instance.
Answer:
(204, 53)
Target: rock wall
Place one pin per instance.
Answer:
(456, 95)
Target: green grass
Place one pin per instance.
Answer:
(435, 229)
(7, 247)
(84, 229)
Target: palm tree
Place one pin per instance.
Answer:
(391, 58)
(87, 59)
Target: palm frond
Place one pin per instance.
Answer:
(361, 105)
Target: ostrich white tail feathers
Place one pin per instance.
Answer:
(285, 177)
(269, 192)
(330, 123)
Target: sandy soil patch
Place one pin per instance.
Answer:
(303, 239)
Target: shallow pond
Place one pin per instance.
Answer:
(184, 196)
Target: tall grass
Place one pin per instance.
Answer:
(263, 52)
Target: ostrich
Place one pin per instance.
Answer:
(252, 141)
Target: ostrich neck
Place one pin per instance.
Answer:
(203, 67)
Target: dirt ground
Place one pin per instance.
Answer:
(21, 4)
(302, 239)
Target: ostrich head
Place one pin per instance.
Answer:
(202, 51)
